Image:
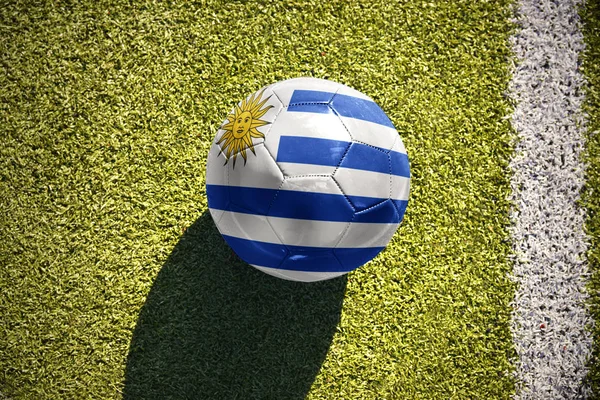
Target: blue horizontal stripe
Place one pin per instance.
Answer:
(343, 105)
(296, 204)
(300, 258)
(305, 150)
(318, 151)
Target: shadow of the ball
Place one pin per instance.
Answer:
(212, 327)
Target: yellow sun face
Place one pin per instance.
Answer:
(241, 126)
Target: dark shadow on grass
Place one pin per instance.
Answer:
(213, 327)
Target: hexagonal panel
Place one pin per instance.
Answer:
(253, 185)
(364, 176)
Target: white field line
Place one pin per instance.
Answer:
(549, 317)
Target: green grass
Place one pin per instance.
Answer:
(591, 68)
(113, 279)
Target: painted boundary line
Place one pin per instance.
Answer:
(549, 313)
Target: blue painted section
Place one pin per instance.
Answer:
(311, 96)
(317, 151)
(366, 158)
(401, 207)
(382, 212)
(311, 102)
(309, 205)
(343, 105)
(400, 165)
(299, 205)
(300, 258)
(258, 253)
(304, 150)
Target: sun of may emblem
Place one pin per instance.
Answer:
(241, 126)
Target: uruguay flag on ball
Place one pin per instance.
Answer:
(307, 179)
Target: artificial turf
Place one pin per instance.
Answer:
(590, 14)
(113, 279)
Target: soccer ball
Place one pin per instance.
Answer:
(307, 179)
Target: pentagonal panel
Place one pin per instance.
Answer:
(253, 185)
(364, 176)
(285, 90)
(311, 198)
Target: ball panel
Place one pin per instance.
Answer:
(384, 212)
(304, 232)
(361, 109)
(299, 276)
(367, 158)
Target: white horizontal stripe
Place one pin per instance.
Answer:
(355, 182)
(302, 276)
(372, 133)
(400, 188)
(247, 226)
(298, 232)
(367, 235)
